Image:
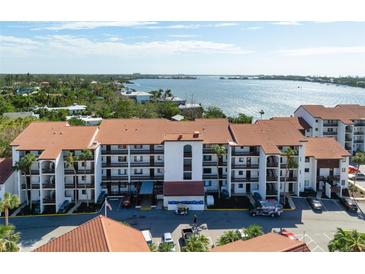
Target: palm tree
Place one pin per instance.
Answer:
(70, 161)
(219, 151)
(252, 231)
(24, 165)
(229, 237)
(8, 239)
(9, 202)
(153, 247)
(347, 241)
(167, 93)
(290, 164)
(358, 159)
(86, 155)
(196, 243)
(165, 247)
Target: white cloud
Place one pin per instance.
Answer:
(92, 25)
(182, 35)
(193, 26)
(322, 51)
(287, 23)
(67, 45)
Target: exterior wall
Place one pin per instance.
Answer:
(97, 174)
(262, 174)
(60, 181)
(9, 186)
(341, 130)
(174, 160)
(184, 198)
(301, 112)
(344, 164)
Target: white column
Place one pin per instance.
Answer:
(40, 186)
(129, 166)
(279, 181)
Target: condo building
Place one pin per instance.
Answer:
(175, 161)
(345, 123)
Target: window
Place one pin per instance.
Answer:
(316, 121)
(240, 172)
(307, 159)
(306, 170)
(138, 171)
(188, 151)
(255, 186)
(83, 192)
(159, 157)
(207, 183)
(138, 158)
(306, 183)
(240, 159)
(137, 146)
(122, 171)
(316, 129)
(343, 169)
(207, 158)
(82, 164)
(159, 170)
(122, 158)
(343, 182)
(343, 160)
(122, 146)
(207, 170)
(83, 178)
(240, 185)
(187, 175)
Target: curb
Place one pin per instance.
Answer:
(50, 215)
(227, 209)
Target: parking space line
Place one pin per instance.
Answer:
(326, 236)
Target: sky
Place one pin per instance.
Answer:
(295, 48)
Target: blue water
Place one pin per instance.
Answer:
(275, 97)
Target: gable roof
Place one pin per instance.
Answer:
(324, 148)
(100, 234)
(5, 169)
(270, 242)
(53, 137)
(298, 122)
(154, 131)
(344, 113)
(269, 134)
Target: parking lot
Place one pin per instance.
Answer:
(316, 229)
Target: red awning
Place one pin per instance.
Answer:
(183, 188)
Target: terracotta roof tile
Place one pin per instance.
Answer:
(100, 234)
(269, 134)
(154, 131)
(5, 169)
(53, 137)
(324, 148)
(270, 242)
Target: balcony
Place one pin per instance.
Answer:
(140, 164)
(289, 179)
(146, 151)
(244, 179)
(114, 152)
(359, 124)
(34, 186)
(115, 178)
(48, 170)
(85, 185)
(158, 164)
(330, 124)
(49, 200)
(245, 166)
(34, 171)
(48, 185)
(209, 163)
(271, 178)
(120, 164)
(213, 176)
(358, 133)
(70, 185)
(358, 141)
(146, 177)
(79, 171)
(272, 164)
(245, 153)
(329, 133)
(329, 178)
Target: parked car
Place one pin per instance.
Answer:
(266, 208)
(315, 204)
(349, 204)
(167, 238)
(308, 192)
(147, 236)
(257, 197)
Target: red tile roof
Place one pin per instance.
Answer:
(156, 131)
(298, 122)
(53, 137)
(5, 169)
(185, 188)
(324, 148)
(100, 234)
(270, 242)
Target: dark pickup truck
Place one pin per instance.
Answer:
(186, 233)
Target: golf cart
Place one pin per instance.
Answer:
(181, 210)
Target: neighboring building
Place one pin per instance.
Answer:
(151, 156)
(138, 96)
(177, 117)
(7, 177)
(74, 109)
(16, 115)
(191, 111)
(270, 242)
(174, 99)
(346, 123)
(88, 120)
(100, 234)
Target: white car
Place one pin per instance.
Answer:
(147, 236)
(167, 238)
